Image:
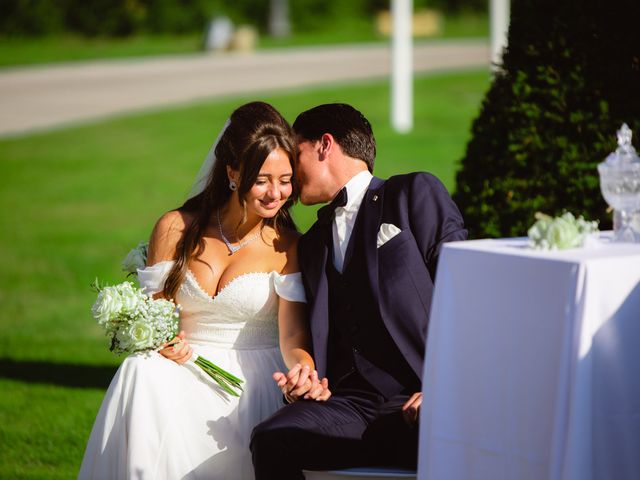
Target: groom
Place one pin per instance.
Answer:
(368, 268)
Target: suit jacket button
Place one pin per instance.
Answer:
(356, 350)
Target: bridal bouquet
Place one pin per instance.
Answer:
(565, 231)
(136, 322)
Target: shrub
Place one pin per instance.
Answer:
(569, 78)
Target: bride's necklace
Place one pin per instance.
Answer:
(234, 248)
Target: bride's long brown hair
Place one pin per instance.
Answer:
(255, 130)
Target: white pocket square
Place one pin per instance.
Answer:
(387, 232)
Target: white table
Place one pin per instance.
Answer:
(532, 368)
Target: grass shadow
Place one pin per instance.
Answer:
(65, 375)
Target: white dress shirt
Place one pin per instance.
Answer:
(345, 217)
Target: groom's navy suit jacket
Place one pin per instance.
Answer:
(400, 273)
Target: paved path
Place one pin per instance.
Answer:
(50, 96)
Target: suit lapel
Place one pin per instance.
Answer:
(353, 241)
(315, 272)
(316, 254)
(314, 267)
(371, 210)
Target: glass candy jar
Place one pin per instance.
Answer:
(620, 186)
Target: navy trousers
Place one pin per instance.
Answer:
(353, 428)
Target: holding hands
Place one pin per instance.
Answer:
(302, 383)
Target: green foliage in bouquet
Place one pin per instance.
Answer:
(570, 77)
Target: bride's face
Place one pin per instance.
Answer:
(272, 187)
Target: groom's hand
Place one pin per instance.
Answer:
(177, 349)
(411, 409)
(319, 390)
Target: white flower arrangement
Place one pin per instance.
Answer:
(136, 322)
(559, 233)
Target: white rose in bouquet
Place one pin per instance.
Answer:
(141, 335)
(131, 299)
(136, 258)
(107, 306)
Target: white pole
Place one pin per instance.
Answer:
(402, 66)
(279, 19)
(499, 11)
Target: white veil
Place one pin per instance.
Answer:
(207, 166)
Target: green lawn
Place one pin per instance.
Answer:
(69, 48)
(76, 200)
(28, 51)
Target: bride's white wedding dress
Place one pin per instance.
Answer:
(163, 420)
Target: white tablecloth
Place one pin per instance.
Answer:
(532, 368)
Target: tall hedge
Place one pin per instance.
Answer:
(569, 78)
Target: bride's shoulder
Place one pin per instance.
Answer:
(166, 234)
(174, 220)
(171, 225)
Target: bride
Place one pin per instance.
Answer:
(228, 258)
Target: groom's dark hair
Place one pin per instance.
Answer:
(348, 126)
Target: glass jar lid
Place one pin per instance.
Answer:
(625, 156)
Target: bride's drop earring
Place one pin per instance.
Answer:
(233, 186)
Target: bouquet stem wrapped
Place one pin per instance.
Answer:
(228, 382)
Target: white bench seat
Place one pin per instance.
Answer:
(362, 473)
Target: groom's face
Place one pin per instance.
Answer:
(313, 174)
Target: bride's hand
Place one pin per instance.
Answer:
(177, 349)
(319, 390)
(295, 383)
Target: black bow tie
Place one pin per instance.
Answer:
(325, 214)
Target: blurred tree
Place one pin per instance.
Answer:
(125, 17)
(314, 15)
(31, 17)
(105, 17)
(180, 16)
(570, 77)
